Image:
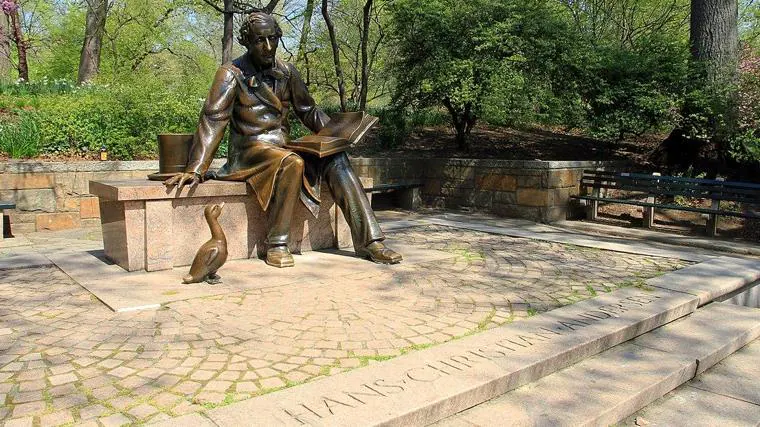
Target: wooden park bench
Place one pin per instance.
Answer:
(3, 206)
(406, 194)
(650, 187)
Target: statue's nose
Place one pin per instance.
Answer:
(269, 46)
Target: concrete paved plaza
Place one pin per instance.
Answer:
(65, 357)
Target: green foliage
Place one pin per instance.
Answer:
(479, 58)
(745, 147)
(126, 119)
(394, 127)
(634, 90)
(19, 136)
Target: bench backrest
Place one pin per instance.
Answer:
(697, 188)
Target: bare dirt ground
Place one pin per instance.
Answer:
(488, 142)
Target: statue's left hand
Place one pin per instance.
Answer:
(182, 178)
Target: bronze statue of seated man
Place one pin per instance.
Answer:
(253, 94)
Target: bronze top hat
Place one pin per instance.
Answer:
(173, 151)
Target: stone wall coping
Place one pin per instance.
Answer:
(496, 163)
(152, 165)
(15, 166)
(137, 189)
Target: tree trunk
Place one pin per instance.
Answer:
(18, 37)
(460, 120)
(365, 62)
(308, 12)
(227, 34)
(269, 8)
(715, 38)
(714, 41)
(336, 55)
(95, 26)
(5, 48)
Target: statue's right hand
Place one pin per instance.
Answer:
(180, 179)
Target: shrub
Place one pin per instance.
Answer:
(746, 146)
(126, 119)
(19, 135)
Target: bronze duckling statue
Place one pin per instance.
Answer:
(212, 255)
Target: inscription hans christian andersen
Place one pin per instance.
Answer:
(324, 406)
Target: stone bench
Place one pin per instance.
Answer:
(406, 193)
(149, 227)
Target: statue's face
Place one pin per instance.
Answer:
(263, 45)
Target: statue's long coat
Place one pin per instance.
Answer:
(255, 105)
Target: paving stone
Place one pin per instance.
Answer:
(92, 411)
(69, 401)
(19, 422)
(121, 372)
(31, 408)
(56, 418)
(189, 420)
(209, 397)
(105, 392)
(273, 382)
(166, 400)
(202, 375)
(122, 402)
(187, 387)
(218, 385)
(62, 390)
(115, 420)
(62, 379)
(27, 397)
(143, 411)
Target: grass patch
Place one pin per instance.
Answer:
(483, 324)
(416, 347)
(532, 312)
(467, 254)
(591, 290)
(167, 293)
(229, 397)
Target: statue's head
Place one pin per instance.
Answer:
(260, 34)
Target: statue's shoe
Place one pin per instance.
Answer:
(377, 252)
(279, 256)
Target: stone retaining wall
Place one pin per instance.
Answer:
(535, 190)
(55, 196)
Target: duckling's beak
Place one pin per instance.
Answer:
(221, 205)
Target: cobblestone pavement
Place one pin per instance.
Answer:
(66, 358)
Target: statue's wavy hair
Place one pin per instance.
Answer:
(246, 29)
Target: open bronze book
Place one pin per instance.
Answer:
(339, 133)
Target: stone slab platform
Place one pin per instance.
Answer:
(147, 226)
(604, 389)
(726, 395)
(25, 260)
(711, 279)
(422, 387)
(124, 291)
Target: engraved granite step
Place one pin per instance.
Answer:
(712, 279)
(425, 386)
(605, 389)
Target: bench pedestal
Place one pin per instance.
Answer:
(3, 207)
(147, 227)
